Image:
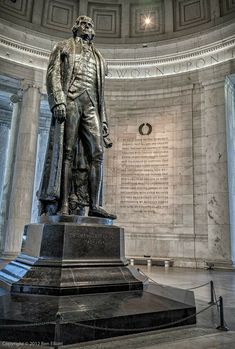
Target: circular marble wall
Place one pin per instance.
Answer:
(170, 188)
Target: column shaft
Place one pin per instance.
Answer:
(23, 179)
(230, 128)
(8, 172)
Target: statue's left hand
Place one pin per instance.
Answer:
(59, 112)
(105, 130)
(107, 142)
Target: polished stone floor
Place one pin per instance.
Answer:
(202, 336)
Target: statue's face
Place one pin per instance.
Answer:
(85, 29)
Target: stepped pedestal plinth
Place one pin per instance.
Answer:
(76, 266)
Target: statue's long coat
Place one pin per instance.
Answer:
(59, 78)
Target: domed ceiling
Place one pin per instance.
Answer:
(138, 38)
(120, 21)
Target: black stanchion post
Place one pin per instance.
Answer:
(57, 342)
(212, 301)
(222, 326)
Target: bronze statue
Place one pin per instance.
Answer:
(72, 175)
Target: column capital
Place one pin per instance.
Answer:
(26, 84)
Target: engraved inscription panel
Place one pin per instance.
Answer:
(149, 179)
(93, 243)
(145, 174)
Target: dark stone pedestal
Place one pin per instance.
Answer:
(61, 257)
(76, 266)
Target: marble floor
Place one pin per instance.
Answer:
(202, 336)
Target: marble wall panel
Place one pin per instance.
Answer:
(149, 201)
(216, 148)
(194, 117)
(218, 208)
(219, 243)
(200, 209)
(218, 171)
(214, 94)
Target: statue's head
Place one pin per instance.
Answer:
(84, 28)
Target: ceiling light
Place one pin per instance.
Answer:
(147, 20)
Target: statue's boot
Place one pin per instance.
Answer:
(95, 186)
(100, 212)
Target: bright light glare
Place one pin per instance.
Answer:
(147, 20)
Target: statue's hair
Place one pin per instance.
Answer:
(78, 20)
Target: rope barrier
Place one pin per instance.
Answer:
(155, 282)
(213, 295)
(194, 288)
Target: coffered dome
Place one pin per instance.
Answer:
(138, 38)
(120, 21)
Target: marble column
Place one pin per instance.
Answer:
(24, 169)
(230, 126)
(219, 242)
(4, 140)
(8, 165)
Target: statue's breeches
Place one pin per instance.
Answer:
(82, 121)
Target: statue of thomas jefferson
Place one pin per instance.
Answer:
(75, 86)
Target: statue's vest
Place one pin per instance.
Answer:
(84, 77)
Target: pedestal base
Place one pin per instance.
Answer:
(80, 263)
(61, 257)
(94, 316)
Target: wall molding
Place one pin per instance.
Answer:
(149, 67)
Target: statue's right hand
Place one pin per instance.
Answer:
(59, 112)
